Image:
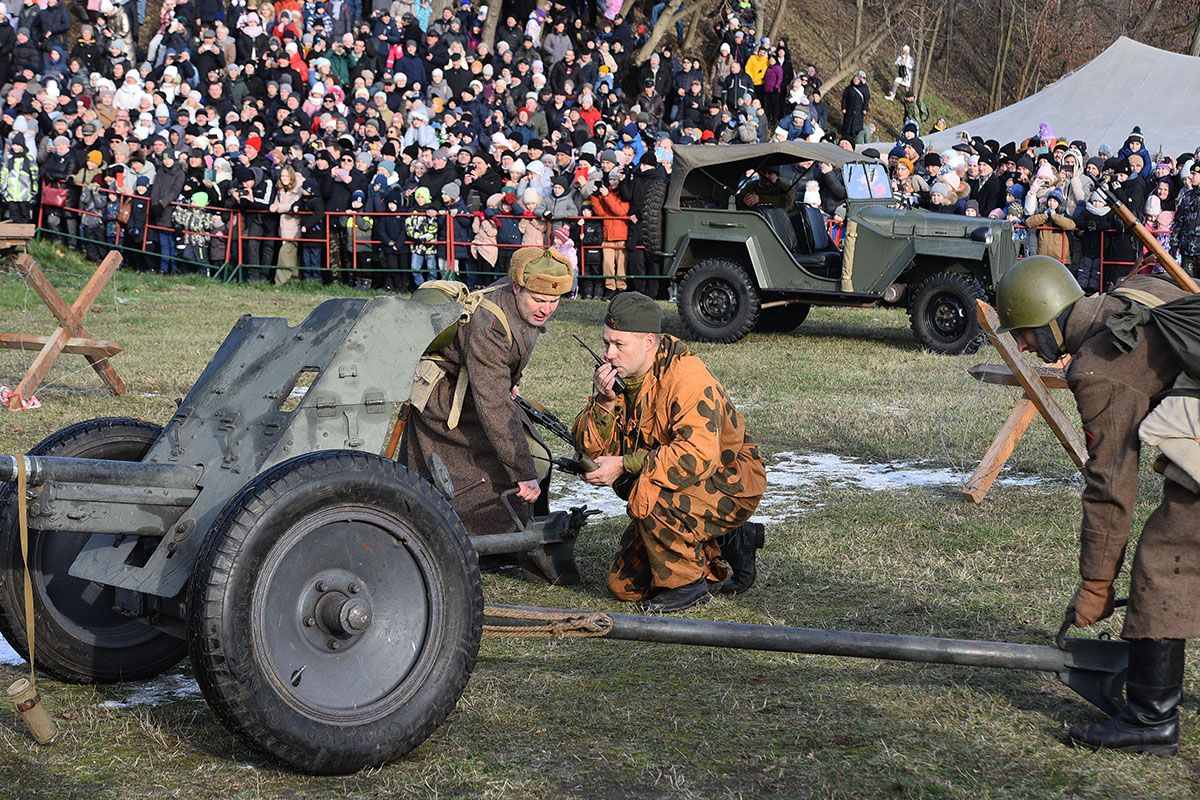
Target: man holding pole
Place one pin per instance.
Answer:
(1041, 304)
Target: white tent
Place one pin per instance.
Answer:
(1128, 84)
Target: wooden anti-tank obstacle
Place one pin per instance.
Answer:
(1037, 382)
(70, 336)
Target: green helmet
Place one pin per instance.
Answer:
(1034, 292)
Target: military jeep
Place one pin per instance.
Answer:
(740, 269)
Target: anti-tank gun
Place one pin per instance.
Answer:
(330, 600)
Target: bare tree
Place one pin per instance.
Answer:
(1005, 34)
(490, 24)
(780, 13)
(676, 11)
(1195, 48)
(858, 21)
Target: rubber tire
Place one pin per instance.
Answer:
(959, 289)
(737, 281)
(651, 216)
(222, 585)
(59, 652)
(782, 319)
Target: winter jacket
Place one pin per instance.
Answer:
(1052, 239)
(18, 178)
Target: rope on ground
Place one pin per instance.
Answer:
(554, 624)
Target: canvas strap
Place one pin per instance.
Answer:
(23, 527)
(1138, 296)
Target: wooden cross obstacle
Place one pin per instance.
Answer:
(70, 336)
(1037, 382)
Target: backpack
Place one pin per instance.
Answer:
(429, 369)
(1173, 424)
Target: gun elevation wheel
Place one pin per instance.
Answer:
(80, 638)
(335, 612)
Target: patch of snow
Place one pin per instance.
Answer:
(163, 689)
(793, 481)
(9, 656)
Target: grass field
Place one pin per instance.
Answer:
(597, 719)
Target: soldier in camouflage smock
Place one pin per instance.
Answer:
(677, 440)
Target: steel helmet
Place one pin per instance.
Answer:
(1034, 292)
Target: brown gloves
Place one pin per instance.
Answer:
(1093, 602)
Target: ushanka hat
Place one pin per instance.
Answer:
(541, 271)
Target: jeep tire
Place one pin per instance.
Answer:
(942, 309)
(718, 301)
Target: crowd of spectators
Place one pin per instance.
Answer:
(1058, 195)
(282, 136)
(386, 143)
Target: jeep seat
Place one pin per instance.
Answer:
(778, 219)
(823, 257)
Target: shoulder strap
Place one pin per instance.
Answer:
(1138, 296)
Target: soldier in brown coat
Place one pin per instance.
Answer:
(462, 407)
(1043, 306)
(695, 475)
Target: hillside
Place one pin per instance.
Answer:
(1046, 41)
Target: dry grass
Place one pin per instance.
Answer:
(618, 720)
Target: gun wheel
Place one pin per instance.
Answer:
(80, 638)
(335, 612)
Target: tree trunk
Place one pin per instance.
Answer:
(1195, 49)
(858, 21)
(1033, 40)
(694, 27)
(780, 13)
(923, 70)
(855, 57)
(1146, 23)
(674, 12)
(921, 12)
(996, 99)
(626, 7)
(489, 26)
(760, 8)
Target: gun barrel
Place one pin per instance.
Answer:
(46, 469)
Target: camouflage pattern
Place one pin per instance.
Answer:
(700, 476)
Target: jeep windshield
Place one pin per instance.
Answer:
(866, 181)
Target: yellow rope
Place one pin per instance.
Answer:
(23, 525)
(555, 624)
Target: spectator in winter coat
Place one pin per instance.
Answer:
(1053, 226)
(856, 102)
(18, 181)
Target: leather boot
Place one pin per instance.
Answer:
(738, 548)
(668, 601)
(1149, 723)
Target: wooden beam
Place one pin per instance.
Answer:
(1035, 389)
(1001, 375)
(73, 346)
(981, 480)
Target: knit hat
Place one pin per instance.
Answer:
(972, 204)
(1015, 210)
(906, 163)
(541, 271)
(200, 199)
(452, 191)
(1056, 194)
(633, 312)
(422, 196)
(255, 141)
(1153, 206)
(94, 157)
(1017, 190)
(812, 194)
(940, 188)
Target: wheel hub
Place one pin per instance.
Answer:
(336, 609)
(718, 301)
(948, 316)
